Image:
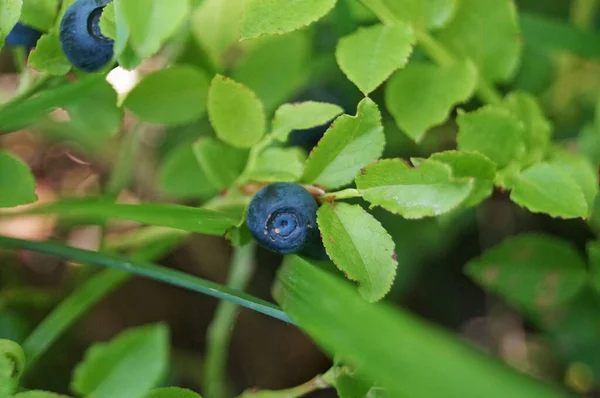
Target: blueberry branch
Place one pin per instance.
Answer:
(319, 382)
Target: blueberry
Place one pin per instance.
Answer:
(282, 217)
(80, 36)
(23, 36)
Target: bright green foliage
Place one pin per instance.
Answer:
(108, 24)
(12, 365)
(235, 112)
(278, 164)
(439, 12)
(48, 56)
(17, 184)
(172, 392)
(421, 14)
(39, 14)
(170, 96)
(370, 55)
(550, 272)
(302, 116)
(222, 164)
(350, 144)
(487, 32)
(268, 17)
(425, 191)
(39, 394)
(545, 188)
(360, 247)
(10, 11)
(97, 113)
(493, 132)
(581, 171)
(367, 336)
(126, 367)
(422, 95)
(6, 369)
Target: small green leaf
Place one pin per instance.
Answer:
(496, 47)
(278, 165)
(581, 171)
(493, 132)
(235, 112)
(39, 394)
(222, 164)
(544, 188)
(370, 55)
(302, 116)
(593, 250)
(348, 145)
(6, 370)
(470, 165)
(533, 272)
(10, 11)
(17, 184)
(269, 17)
(360, 247)
(108, 22)
(172, 96)
(97, 113)
(39, 14)
(172, 392)
(124, 51)
(216, 25)
(181, 176)
(422, 95)
(424, 191)
(126, 367)
(12, 365)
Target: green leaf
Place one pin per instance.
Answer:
(6, 370)
(39, 14)
(533, 272)
(48, 56)
(181, 176)
(216, 25)
(152, 22)
(581, 170)
(422, 95)
(438, 13)
(12, 365)
(10, 11)
(348, 145)
(166, 215)
(39, 394)
(17, 184)
(593, 250)
(269, 17)
(222, 164)
(126, 367)
(172, 392)
(538, 129)
(302, 116)
(388, 344)
(278, 165)
(496, 46)
(370, 55)
(124, 51)
(544, 188)
(493, 132)
(470, 165)
(108, 22)
(97, 113)
(276, 68)
(235, 112)
(360, 247)
(172, 96)
(420, 14)
(424, 191)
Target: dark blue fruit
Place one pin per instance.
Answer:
(23, 36)
(282, 217)
(80, 36)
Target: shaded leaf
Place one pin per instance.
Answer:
(278, 165)
(581, 170)
(172, 392)
(48, 56)
(302, 116)
(222, 164)
(17, 183)
(39, 394)
(97, 113)
(10, 11)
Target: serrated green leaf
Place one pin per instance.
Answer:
(48, 56)
(348, 145)
(172, 96)
(276, 68)
(108, 22)
(17, 184)
(10, 11)
(278, 165)
(544, 188)
(172, 392)
(181, 176)
(360, 247)
(302, 116)
(493, 132)
(424, 191)
(235, 112)
(222, 164)
(97, 112)
(496, 45)
(39, 14)
(533, 272)
(470, 165)
(126, 367)
(269, 17)
(370, 55)
(216, 25)
(581, 170)
(39, 394)
(422, 95)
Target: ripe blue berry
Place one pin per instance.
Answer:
(80, 36)
(282, 217)
(23, 36)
